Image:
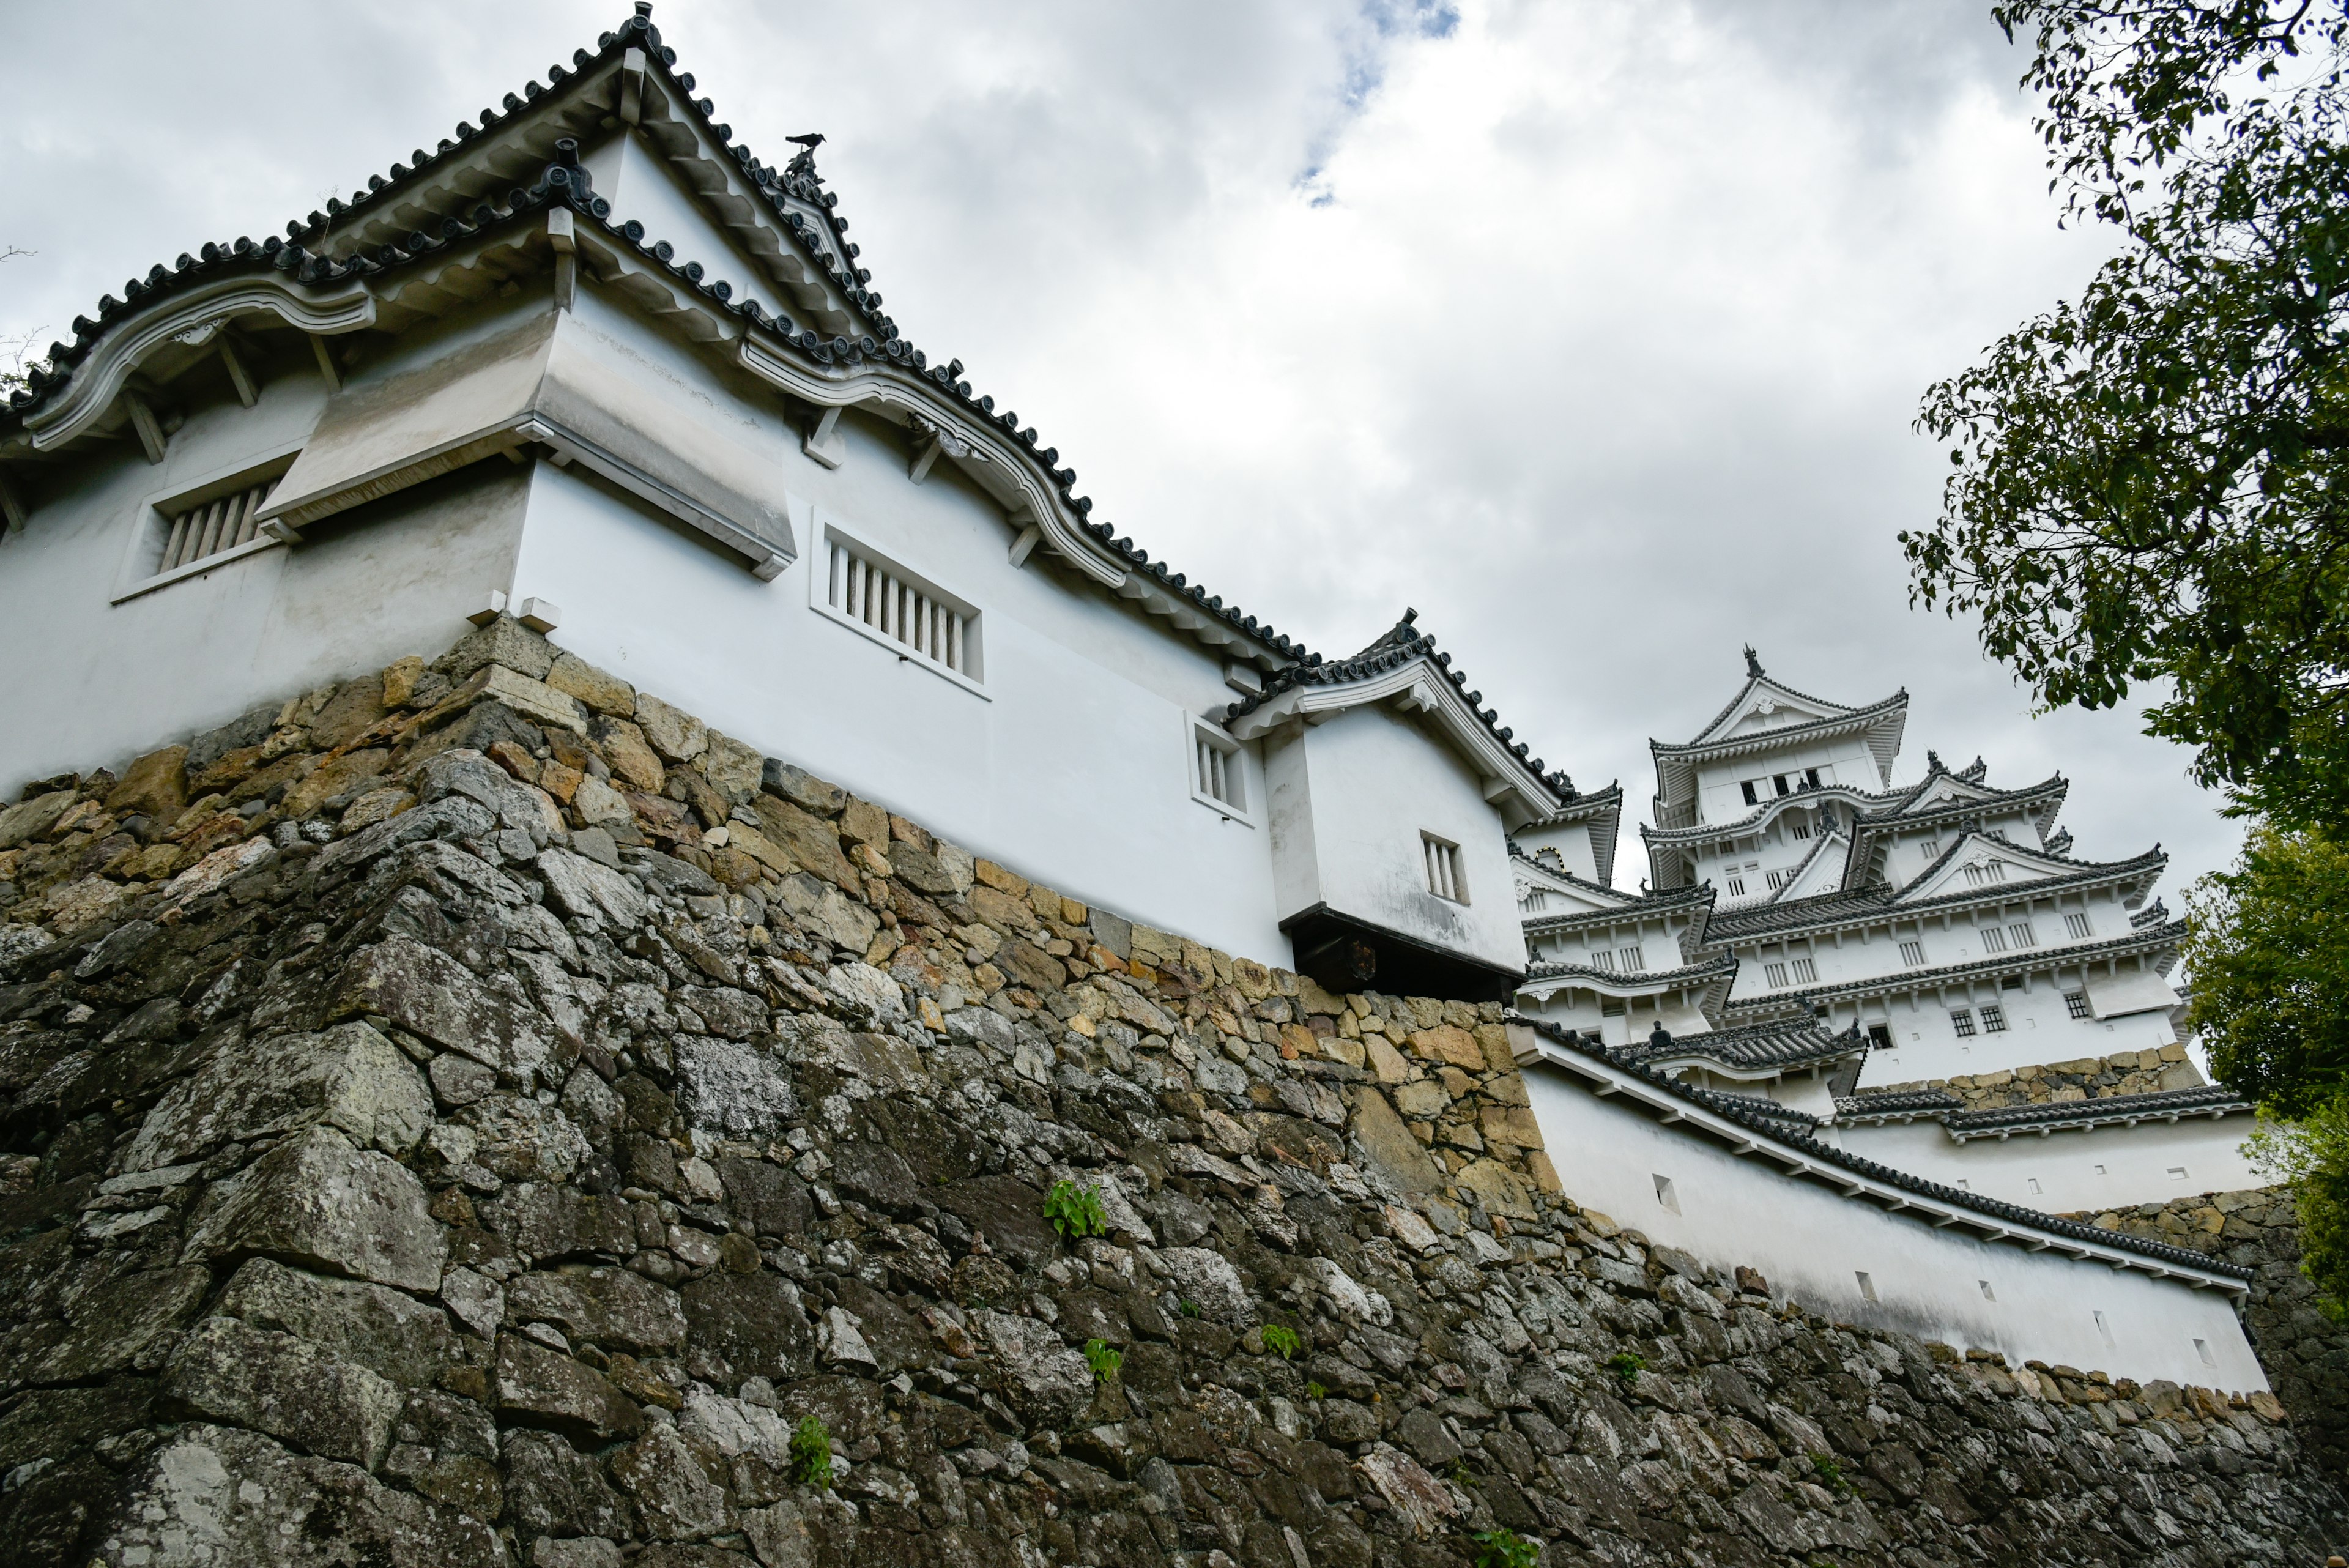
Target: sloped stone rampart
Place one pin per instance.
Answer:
(627, 1100)
(2305, 1352)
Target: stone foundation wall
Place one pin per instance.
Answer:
(2089, 1078)
(476, 1115)
(2306, 1353)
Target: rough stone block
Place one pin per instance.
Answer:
(533, 698)
(829, 913)
(632, 758)
(734, 769)
(348, 1077)
(1387, 1144)
(609, 1307)
(678, 736)
(543, 1386)
(225, 1370)
(809, 841)
(754, 1323)
(125, 1323)
(209, 1497)
(732, 1089)
(553, 1488)
(674, 1499)
(1499, 1189)
(1046, 1382)
(575, 676)
(390, 1334)
(156, 786)
(432, 995)
(317, 1201)
(505, 641)
(581, 889)
(802, 788)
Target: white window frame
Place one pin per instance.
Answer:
(150, 522)
(1773, 975)
(1199, 733)
(1439, 863)
(2079, 927)
(828, 533)
(1912, 952)
(1806, 971)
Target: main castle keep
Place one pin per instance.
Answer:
(553, 1010)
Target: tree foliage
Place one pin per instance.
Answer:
(2147, 481)
(2268, 944)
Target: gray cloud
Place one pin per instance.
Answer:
(1593, 331)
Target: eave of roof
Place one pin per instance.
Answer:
(2020, 962)
(563, 186)
(2210, 1100)
(1754, 1048)
(1809, 1157)
(1730, 745)
(1761, 816)
(1909, 1106)
(1630, 982)
(1866, 906)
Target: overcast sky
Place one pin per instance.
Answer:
(1592, 328)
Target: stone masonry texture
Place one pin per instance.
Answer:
(477, 1114)
(2144, 1072)
(2305, 1352)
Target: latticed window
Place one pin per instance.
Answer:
(1774, 973)
(2075, 1003)
(879, 597)
(1962, 1019)
(1994, 1018)
(1218, 776)
(1913, 954)
(1603, 959)
(1806, 971)
(1634, 960)
(2022, 933)
(2077, 927)
(1993, 939)
(211, 527)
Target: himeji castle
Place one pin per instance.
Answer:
(1922, 971)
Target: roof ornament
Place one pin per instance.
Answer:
(1753, 662)
(1659, 1038)
(803, 163)
(1933, 762)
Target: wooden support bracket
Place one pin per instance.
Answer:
(248, 391)
(563, 234)
(326, 365)
(823, 443)
(632, 85)
(1024, 545)
(142, 420)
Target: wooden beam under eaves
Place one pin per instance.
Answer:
(142, 420)
(248, 391)
(326, 365)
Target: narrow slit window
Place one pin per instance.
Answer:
(214, 528)
(1988, 1294)
(1610, 1007)
(2202, 1349)
(1666, 1195)
(2105, 1331)
(1866, 1284)
(2033, 1182)
(1806, 971)
(2177, 1173)
(1775, 974)
(1444, 875)
(2021, 934)
(1913, 954)
(2076, 927)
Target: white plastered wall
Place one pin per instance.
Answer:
(2077, 1171)
(1812, 1243)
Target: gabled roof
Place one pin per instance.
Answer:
(1941, 798)
(1607, 904)
(1758, 1050)
(416, 243)
(1404, 663)
(1602, 810)
(1814, 871)
(1730, 1118)
(1881, 722)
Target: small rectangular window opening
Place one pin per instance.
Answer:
(2022, 933)
(1737, 886)
(1634, 960)
(1444, 875)
(2202, 1349)
(1665, 1195)
(2102, 1171)
(1806, 971)
(1913, 954)
(1751, 798)
(1219, 774)
(1802, 829)
(865, 590)
(2035, 1184)
(1879, 1036)
(2105, 1330)
(1994, 1018)
(1962, 1019)
(1988, 1294)
(1929, 850)
(1603, 959)
(212, 526)
(2075, 1003)
(1775, 974)
(1993, 940)
(1866, 1284)
(1610, 1007)
(1811, 777)
(2177, 1173)
(2078, 927)
(1778, 782)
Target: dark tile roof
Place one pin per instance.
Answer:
(1842, 716)
(1896, 812)
(1735, 1108)
(1791, 1044)
(1711, 968)
(1396, 647)
(1936, 974)
(1771, 1110)
(1879, 902)
(1913, 1102)
(1731, 827)
(2166, 1105)
(564, 182)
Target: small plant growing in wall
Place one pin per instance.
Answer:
(1315, 1391)
(811, 1454)
(1505, 1548)
(1282, 1341)
(1103, 1359)
(1830, 1472)
(1075, 1212)
(1627, 1365)
(1187, 1308)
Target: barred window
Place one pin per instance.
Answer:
(1993, 940)
(1806, 971)
(1962, 1019)
(1913, 954)
(863, 589)
(1220, 776)
(2022, 933)
(1879, 1036)
(1774, 973)
(2075, 1003)
(1737, 886)
(2077, 927)
(1444, 876)
(1603, 959)
(1779, 879)
(211, 527)
(1634, 960)
(1993, 1017)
